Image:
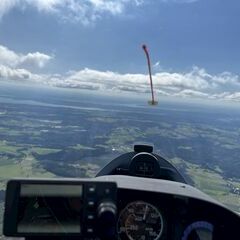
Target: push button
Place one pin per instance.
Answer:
(92, 189)
(107, 191)
(91, 203)
(90, 217)
(90, 230)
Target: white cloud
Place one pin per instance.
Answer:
(191, 93)
(37, 59)
(197, 83)
(8, 57)
(13, 59)
(44, 5)
(84, 11)
(110, 79)
(233, 96)
(14, 74)
(194, 84)
(22, 75)
(7, 5)
(18, 66)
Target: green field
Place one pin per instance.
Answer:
(212, 183)
(23, 164)
(6, 147)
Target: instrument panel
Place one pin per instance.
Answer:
(99, 210)
(140, 220)
(156, 217)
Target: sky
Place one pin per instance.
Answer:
(96, 44)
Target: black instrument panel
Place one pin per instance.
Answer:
(60, 209)
(171, 217)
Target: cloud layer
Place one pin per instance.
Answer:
(84, 11)
(197, 83)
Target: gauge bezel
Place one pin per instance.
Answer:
(150, 205)
(197, 225)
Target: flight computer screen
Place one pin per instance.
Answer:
(45, 208)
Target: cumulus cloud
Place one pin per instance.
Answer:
(233, 96)
(191, 93)
(194, 84)
(23, 75)
(18, 66)
(197, 79)
(15, 74)
(37, 59)
(84, 11)
(13, 59)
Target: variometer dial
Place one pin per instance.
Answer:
(140, 221)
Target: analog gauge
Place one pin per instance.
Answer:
(140, 221)
(200, 230)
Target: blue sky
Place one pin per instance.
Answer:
(96, 44)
